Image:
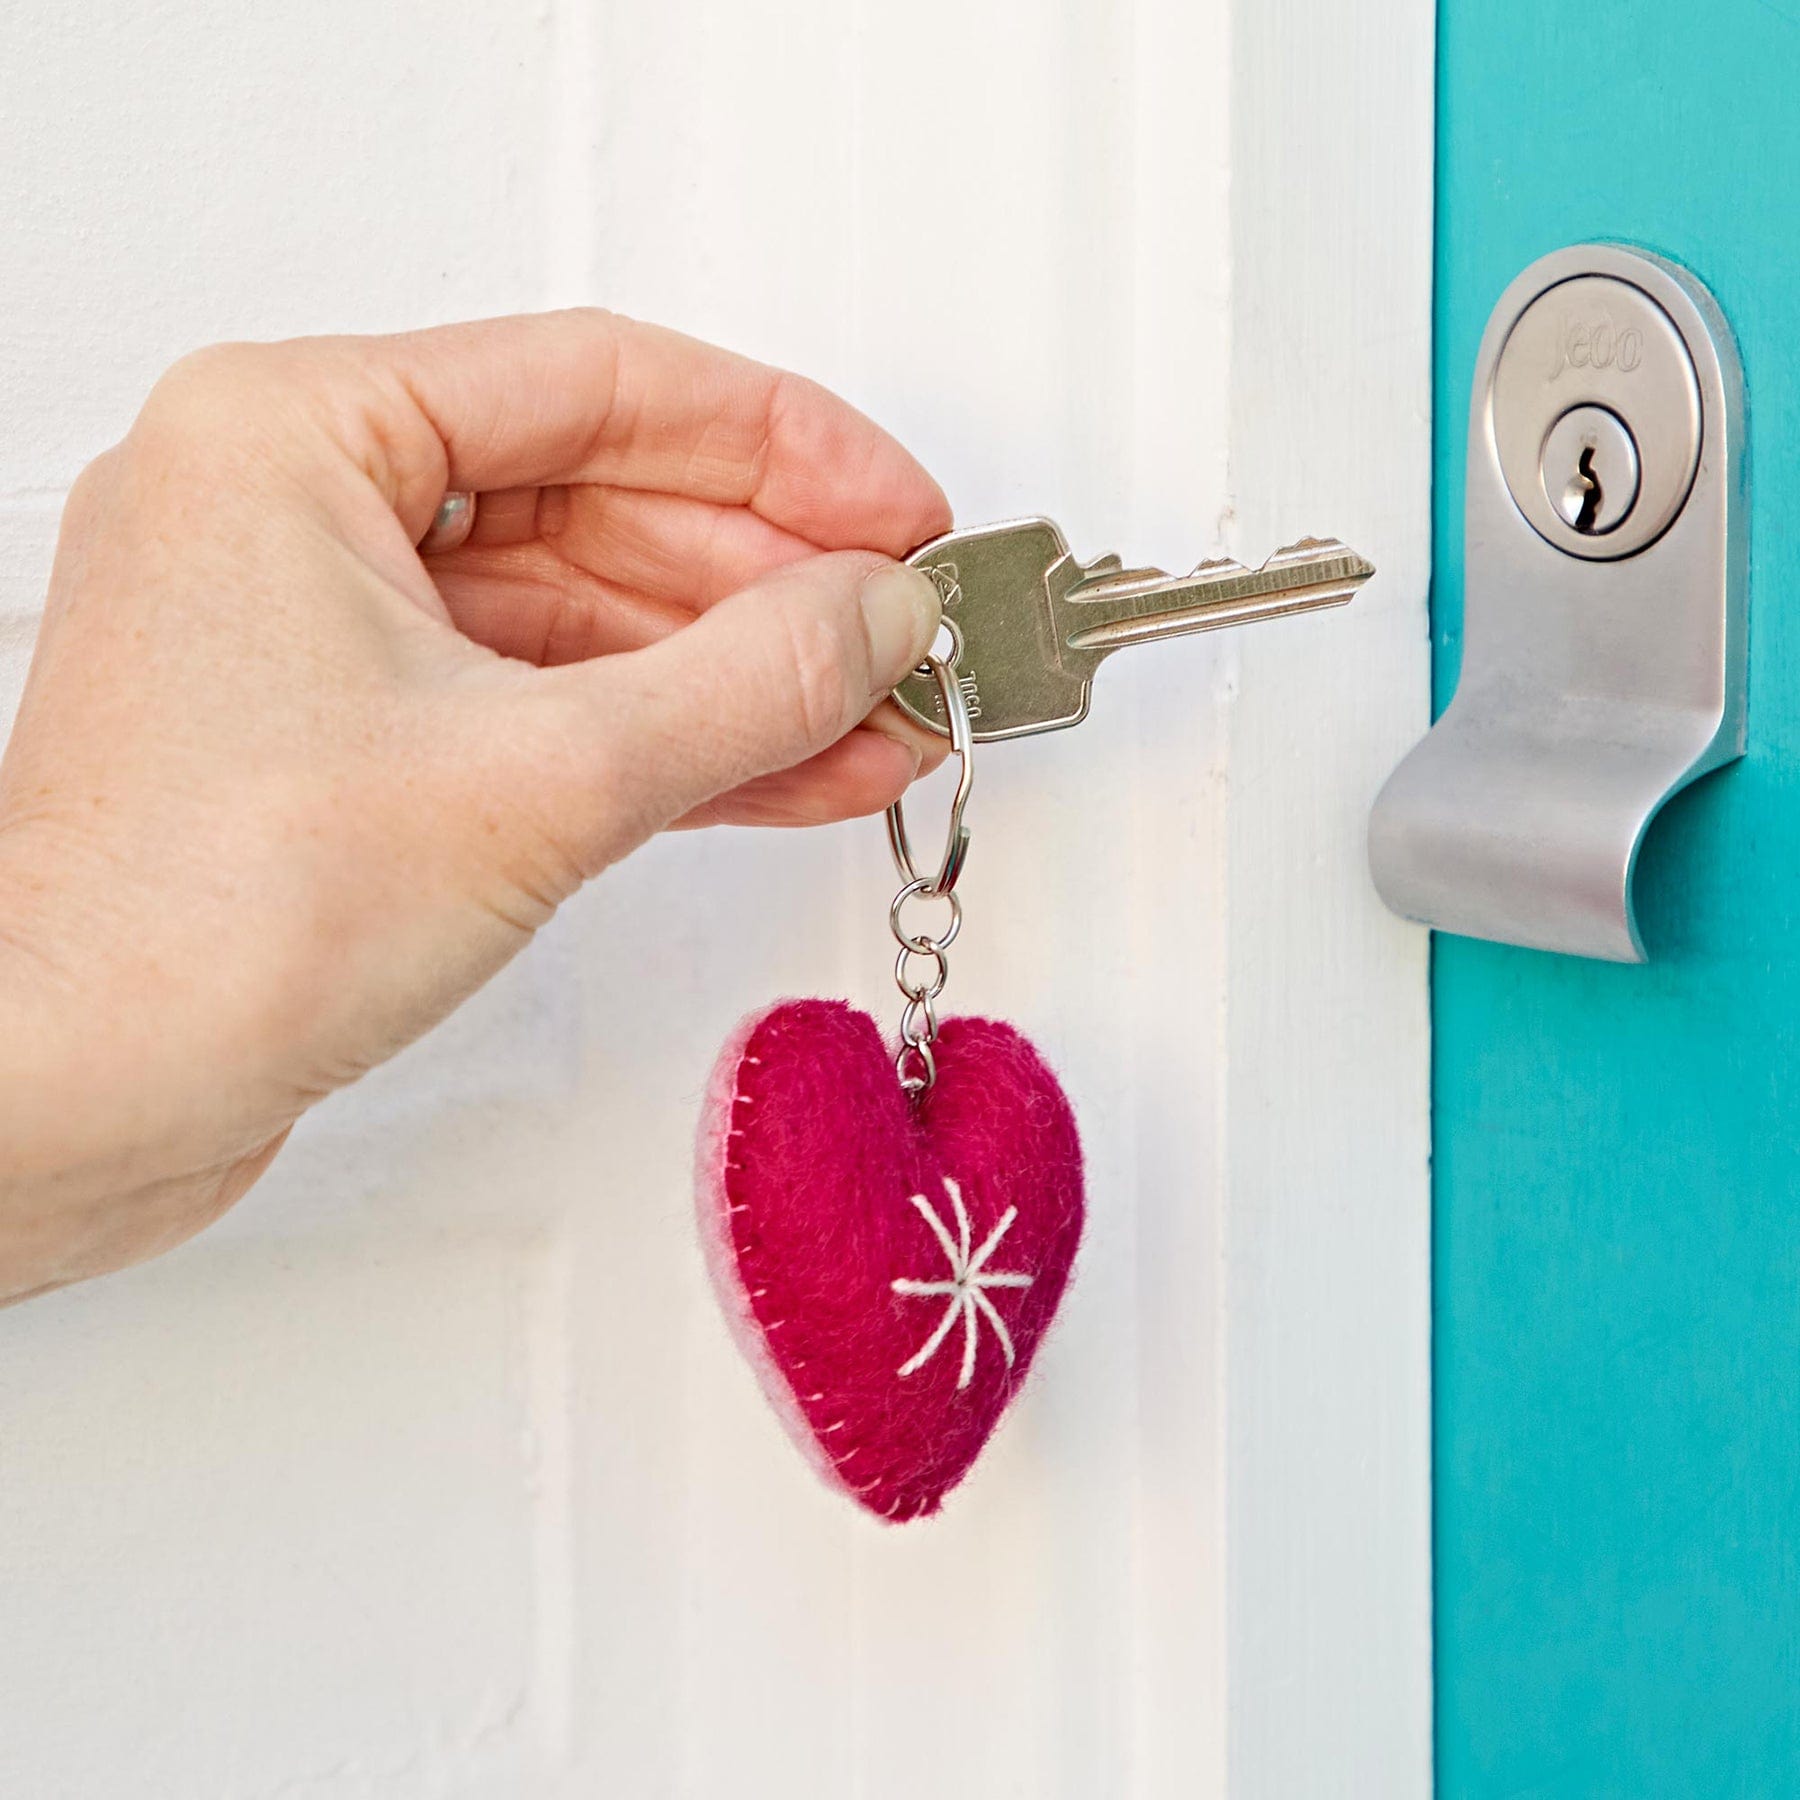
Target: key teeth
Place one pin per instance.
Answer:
(1098, 581)
(1308, 549)
(1317, 550)
(1110, 571)
(1302, 551)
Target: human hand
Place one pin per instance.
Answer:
(281, 792)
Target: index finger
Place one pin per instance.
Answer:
(549, 399)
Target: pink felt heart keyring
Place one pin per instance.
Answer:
(890, 1236)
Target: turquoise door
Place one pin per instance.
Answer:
(1617, 1164)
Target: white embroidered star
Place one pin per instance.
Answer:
(969, 1276)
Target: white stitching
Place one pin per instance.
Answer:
(963, 1290)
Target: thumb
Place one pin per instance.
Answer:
(758, 683)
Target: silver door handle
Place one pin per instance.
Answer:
(1604, 652)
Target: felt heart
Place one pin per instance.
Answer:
(888, 1265)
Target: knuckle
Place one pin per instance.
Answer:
(200, 382)
(89, 493)
(816, 655)
(594, 316)
(572, 807)
(209, 401)
(234, 410)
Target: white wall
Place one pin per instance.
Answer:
(431, 1471)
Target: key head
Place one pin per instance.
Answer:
(1000, 583)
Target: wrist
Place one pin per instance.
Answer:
(86, 1176)
(54, 1162)
(37, 1002)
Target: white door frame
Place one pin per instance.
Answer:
(1163, 272)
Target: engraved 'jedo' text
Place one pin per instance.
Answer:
(1585, 344)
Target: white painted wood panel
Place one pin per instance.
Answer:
(432, 1471)
(1327, 1180)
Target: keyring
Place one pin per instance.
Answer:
(956, 836)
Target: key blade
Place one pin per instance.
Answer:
(1142, 604)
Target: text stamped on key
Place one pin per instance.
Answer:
(1029, 624)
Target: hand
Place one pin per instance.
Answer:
(281, 793)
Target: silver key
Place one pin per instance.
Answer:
(1029, 624)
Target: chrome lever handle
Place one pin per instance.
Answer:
(1604, 642)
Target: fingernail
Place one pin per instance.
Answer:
(900, 609)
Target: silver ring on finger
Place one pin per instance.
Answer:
(451, 525)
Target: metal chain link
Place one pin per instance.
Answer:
(915, 1062)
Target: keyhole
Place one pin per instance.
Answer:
(1582, 498)
(1588, 465)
